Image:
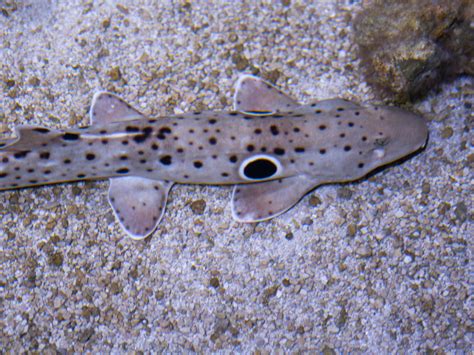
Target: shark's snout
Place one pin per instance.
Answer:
(401, 133)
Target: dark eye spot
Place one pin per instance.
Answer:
(260, 169)
(44, 155)
(90, 156)
(197, 164)
(166, 160)
(279, 151)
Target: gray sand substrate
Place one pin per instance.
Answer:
(381, 265)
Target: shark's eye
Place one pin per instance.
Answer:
(259, 167)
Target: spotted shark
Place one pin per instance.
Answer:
(273, 149)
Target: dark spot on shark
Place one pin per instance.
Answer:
(90, 156)
(21, 155)
(47, 172)
(279, 151)
(322, 127)
(342, 135)
(103, 131)
(258, 131)
(154, 146)
(347, 148)
(318, 112)
(299, 150)
(179, 150)
(364, 138)
(104, 141)
(81, 176)
(67, 161)
(71, 136)
(233, 158)
(3, 175)
(234, 113)
(360, 165)
(5, 160)
(212, 141)
(31, 170)
(125, 142)
(322, 151)
(122, 171)
(263, 149)
(250, 148)
(197, 164)
(33, 181)
(274, 130)
(357, 113)
(350, 124)
(296, 129)
(44, 155)
(123, 157)
(41, 130)
(212, 121)
(166, 160)
(340, 109)
(132, 129)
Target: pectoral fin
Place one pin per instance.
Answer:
(107, 108)
(138, 203)
(254, 95)
(265, 200)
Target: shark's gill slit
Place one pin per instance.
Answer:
(259, 167)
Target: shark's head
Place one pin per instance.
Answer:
(396, 133)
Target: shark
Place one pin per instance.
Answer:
(273, 149)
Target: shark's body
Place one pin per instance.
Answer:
(272, 148)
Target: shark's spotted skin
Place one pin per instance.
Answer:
(273, 149)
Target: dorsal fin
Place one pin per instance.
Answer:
(255, 96)
(108, 108)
